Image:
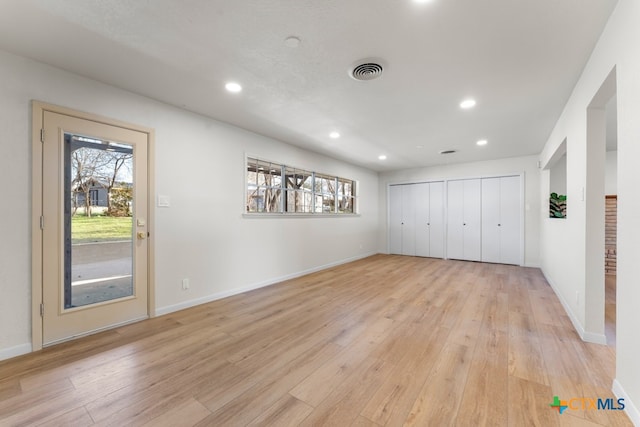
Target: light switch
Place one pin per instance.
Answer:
(164, 201)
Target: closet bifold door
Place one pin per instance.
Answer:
(510, 220)
(501, 201)
(408, 220)
(422, 226)
(395, 219)
(464, 219)
(436, 219)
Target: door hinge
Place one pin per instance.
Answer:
(41, 135)
(41, 222)
(41, 309)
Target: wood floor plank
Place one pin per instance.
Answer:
(383, 341)
(264, 394)
(343, 405)
(526, 360)
(528, 404)
(78, 417)
(392, 402)
(487, 382)
(187, 414)
(286, 412)
(315, 387)
(438, 401)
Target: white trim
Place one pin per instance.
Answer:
(298, 215)
(584, 335)
(15, 351)
(630, 409)
(220, 295)
(523, 216)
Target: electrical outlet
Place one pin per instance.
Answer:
(185, 284)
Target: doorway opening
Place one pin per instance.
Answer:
(601, 181)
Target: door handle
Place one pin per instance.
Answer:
(142, 235)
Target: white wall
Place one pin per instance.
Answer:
(511, 166)
(611, 173)
(199, 163)
(564, 250)
(558, 177)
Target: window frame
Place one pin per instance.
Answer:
(287, 188)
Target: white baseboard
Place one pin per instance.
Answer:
(209, 298)
(629, 407)
(18, 350)
(585, 336)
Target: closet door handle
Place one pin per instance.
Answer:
(499, 225)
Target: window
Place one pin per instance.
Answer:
(299, 190)
(277, 188)
(346, 196)
(264, 186)
(325, 190)
(93, 197)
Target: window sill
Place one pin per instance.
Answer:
(298, 215)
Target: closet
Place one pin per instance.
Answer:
(416, 219)
(484, 219)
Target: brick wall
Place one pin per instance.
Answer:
(610, 228)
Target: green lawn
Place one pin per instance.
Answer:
(99, 228)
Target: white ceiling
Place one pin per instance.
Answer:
(519, 59)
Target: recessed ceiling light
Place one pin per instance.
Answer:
(421, 1)
(233, 87)
(382, 157)
(334, 135)
(482, 142)
(468, 103)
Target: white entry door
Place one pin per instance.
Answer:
(93, 224)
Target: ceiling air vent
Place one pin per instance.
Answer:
(366, 71)
(447, 151)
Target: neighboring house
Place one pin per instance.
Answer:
(98, 195)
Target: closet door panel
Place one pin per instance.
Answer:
(436, 219)
(408, 221)
(455, 219)
(422, 217)
(491, 225)
(472, 219)
(395, 219)
(510, 218)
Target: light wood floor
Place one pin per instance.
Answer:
(385, 341)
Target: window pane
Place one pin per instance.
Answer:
(264, 200)
(252, 177)
(298, 178)
(328, 203)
